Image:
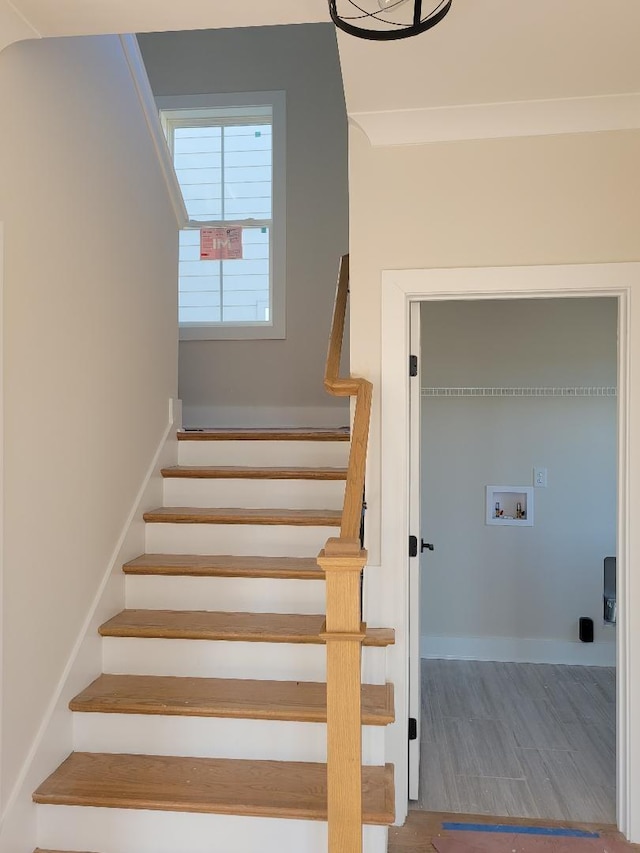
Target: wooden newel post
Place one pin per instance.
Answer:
(342, 561)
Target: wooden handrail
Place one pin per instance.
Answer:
(343, 560)
(349, 387)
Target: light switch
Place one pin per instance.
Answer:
(540, 478)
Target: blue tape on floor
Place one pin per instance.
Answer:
(522, 830)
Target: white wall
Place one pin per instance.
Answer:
(493, 592)
(90, 349)
(273, 382)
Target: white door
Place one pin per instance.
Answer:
(414, 561)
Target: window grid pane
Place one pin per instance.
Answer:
(232, 291)
(225, 173)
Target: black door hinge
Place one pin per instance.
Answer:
(413, 728)
(413, 546)
(413, 365)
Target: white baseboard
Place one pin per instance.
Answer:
(175, 414)
(518, 650)
(335, 415)
(54, 740)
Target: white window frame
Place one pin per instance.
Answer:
(275, 328)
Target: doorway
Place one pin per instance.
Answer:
(518, 499)
(400, 289)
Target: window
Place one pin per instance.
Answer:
(229, 158)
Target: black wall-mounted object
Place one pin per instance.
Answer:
(413, 546)
(585, 630)
(610, 602)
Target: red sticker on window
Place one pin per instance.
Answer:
(220, 244)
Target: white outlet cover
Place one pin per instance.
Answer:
(540, 478)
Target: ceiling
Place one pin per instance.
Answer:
(488, 51)
(484, 51)
(82, 17)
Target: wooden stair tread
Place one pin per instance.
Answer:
(225, 697)
(239, 472)
(304, 568)
(243, 627)
(265, 434)
(208, 785)
(237, 515)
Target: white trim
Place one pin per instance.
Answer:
(507, 119)
(518, 650)
(197, 224)
(1, 494)
(627, 749)
(275, 330)
(142, 86)
(399, 289)
(415, 514)
(53, 740)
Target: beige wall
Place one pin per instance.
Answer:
(90, 349)
(543, 200)
(273, 382)
(520, 201)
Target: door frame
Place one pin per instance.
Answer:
(399, 289)
(414, 569)
(2, 263)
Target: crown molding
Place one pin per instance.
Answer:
(14, 26)
(499, 120)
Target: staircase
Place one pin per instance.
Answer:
(207, 733)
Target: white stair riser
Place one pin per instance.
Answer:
(276, 540)
(213, 737)
(255, 595)
(144, 831)
(334, 454)
(259, 494)
(212, 659)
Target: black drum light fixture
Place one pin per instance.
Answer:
(385, 20)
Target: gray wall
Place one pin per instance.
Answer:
(507, 592)
(273, 382)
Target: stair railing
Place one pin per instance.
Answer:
(343, 560)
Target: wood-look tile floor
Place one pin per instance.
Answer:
(520, 740)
